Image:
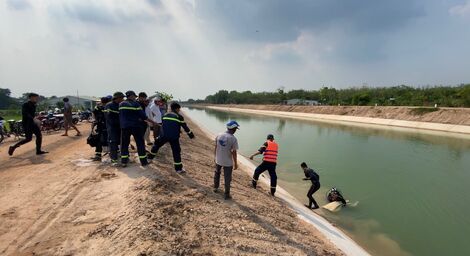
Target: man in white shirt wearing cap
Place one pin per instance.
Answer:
(225, 153)
(155, 114)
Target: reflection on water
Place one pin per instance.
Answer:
(412, 187)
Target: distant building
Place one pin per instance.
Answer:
(301, 102)
(82, 102)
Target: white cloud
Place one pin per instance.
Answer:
(56, 47)
(18, 4)
(462, 10)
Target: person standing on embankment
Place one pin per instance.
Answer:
(100, 124)
(172, 124)
(30, 125)
(132, 117)
(113, 126)
(270, 151)
(155, 114)
(225, 154)
(311, 175)
(144, 103)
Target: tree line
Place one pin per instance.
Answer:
(9, 102)
(444, 96)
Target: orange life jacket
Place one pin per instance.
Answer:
(270, 155)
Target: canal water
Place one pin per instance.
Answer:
(413, 188)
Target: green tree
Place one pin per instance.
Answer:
(165, 96)
(60, 104)
(6, 101)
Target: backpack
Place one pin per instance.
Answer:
(93, 140)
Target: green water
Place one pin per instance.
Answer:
(413, 188)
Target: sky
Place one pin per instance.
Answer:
(193, 48)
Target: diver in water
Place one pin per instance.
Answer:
(334, 195)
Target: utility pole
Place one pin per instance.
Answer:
(78, 100)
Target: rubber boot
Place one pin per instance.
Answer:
(97, 157)
(273, 191)
(11, 150)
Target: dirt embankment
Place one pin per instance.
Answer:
(61, 204)
(460, 116)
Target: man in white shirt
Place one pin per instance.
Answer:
(155, 114)
(226, 146)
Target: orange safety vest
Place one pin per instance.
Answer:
(270, 154)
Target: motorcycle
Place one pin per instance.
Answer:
(75, 119)
(3, 130)
(49, 123)
(16, 128)
(85, 116)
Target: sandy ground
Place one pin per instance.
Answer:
(62, 204)
(460, 116)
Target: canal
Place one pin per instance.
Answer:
(413, 189)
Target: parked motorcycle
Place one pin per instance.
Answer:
(3, 130)
(85, 116)
(49, 123)
(16, 128)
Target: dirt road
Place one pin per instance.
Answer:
(63, 204)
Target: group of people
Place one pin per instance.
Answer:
(226, 146)
(117, 118)
(121, 116)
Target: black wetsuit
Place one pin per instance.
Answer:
(311, 175)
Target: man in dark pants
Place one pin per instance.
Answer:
(270, 152)
(100, 125)
(226, 146)
(30, 125)
(131, 116)
(172, 124)
(144, 102)
(311, 175)
(113, 126)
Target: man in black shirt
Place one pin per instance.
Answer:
(311, 175)
(30, 126)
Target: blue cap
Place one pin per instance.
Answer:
(233, 125)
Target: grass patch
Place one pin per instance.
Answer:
(422, 111)
(9, 114)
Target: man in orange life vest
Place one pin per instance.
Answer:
(269, 151)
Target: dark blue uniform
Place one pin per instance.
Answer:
(171, 129)
(113, 126)
(131, 116)
(100, 126)
(144, 125)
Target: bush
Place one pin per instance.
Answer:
(422, 111)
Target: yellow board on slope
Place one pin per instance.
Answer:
(333, 206)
